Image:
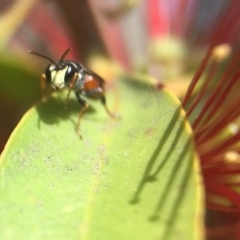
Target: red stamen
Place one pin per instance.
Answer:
(227, 144)
(180, 17)
(226, 28)
(231, 68)
(203, 88)
(212, 100)
(224, 190)
(158, 16)
(222, 209)
(196, 78)
(211, 130)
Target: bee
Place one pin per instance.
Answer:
(66, 73)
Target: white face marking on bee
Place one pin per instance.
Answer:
(52, 67)
(58, 77)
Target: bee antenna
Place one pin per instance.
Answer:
(64, 55)
(42, 56)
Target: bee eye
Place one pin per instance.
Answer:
(48, 72)
(69, 73)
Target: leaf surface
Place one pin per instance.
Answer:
(132, 178)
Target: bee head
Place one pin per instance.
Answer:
(58, 73)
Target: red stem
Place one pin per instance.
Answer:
(212, 99)
(196, 77)
(222, 147)
(213, 129)
(203, 88)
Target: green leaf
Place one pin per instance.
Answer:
(132, 178)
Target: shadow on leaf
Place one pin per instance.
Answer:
(156, 163)
(52, 111)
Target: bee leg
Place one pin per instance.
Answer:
(103, 101)
(98, 93)
(81, 113)
(71, 86)
(43, 85)
(46, 89)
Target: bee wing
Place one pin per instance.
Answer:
(95, 75)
